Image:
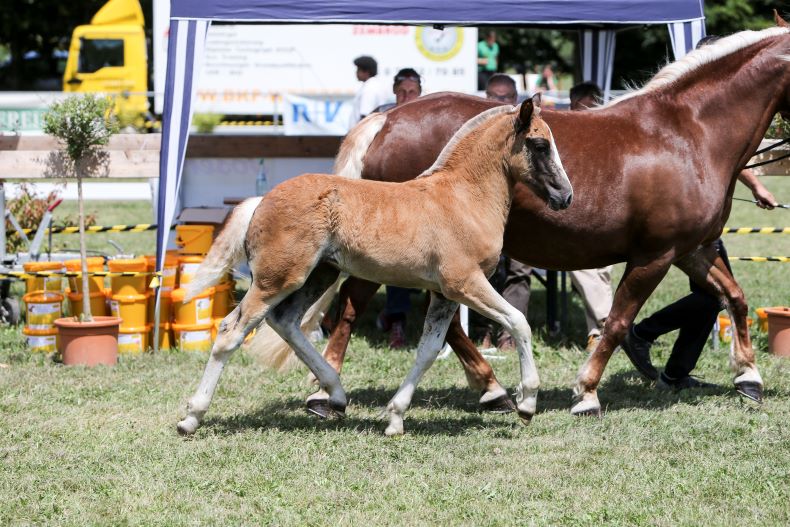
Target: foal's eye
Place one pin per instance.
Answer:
(541, 147)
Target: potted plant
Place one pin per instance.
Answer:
(83, 125)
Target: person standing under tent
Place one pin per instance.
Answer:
(372, 94)
(487, 59)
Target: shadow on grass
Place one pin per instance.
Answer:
(621, 391)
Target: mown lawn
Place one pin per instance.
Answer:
(98, 446)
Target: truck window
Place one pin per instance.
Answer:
(96, 54)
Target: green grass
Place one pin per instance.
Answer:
(98, 446)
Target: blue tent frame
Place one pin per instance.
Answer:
(597, 21)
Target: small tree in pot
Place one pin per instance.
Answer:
(84, 125)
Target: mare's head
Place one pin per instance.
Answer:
(533, 158)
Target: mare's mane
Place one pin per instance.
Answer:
(697, 58)
(462, 132)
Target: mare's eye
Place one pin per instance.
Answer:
(541, 146)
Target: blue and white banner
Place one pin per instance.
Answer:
(316, 115)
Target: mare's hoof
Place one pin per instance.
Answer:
(501, 405)
(750, 390)
(324, 409)
(590, 412)
(525, 417)
(586, 408)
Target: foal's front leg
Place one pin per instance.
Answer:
(477, 293)
(437, 320)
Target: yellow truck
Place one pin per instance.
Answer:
(110, 56)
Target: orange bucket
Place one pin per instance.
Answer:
(195, 312)
(132, 309)
(165, 336)
(725, 327)
(165, 307)
(194, 239)
(133, 340)
(168, 280)
(98, 303)
(95, 283)
(193, 337)
(223, 300)
(128, 285)
(187, 268)
(41, 340)
(42, 310)
(44, 283)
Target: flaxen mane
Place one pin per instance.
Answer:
(697, 58)
(462, 132)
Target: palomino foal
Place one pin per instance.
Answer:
(441, 232)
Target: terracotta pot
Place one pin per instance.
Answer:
(89, 343)
(779, 330)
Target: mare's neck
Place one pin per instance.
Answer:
(734, 100)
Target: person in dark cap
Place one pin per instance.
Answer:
(371, 94)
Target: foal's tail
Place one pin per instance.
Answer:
(226, 251)
(266, 346)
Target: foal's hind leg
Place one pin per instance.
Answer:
(477, 293)
(246, 316)
(285, 319)
(707, 268)
(638, 282)
(440, 312)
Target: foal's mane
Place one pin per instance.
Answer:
(462, 132)
(697, 58)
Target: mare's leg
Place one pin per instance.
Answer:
(246, 316)
(440, 312)
(286, 318)
(708, 269)
(638, 282)
(477, 293)
(353, 299)
(479, 373)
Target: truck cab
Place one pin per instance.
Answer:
(109, 56)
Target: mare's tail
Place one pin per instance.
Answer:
(226, 251)
(266, 346)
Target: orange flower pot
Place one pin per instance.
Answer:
(778, 330)
(89, 343)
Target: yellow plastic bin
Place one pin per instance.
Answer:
(95, 283)
(43, 309)
(44, 283)
(165, 336)
(193, 337)
(133, 340)
(42, 340)
(129, 285)
(169, 279)
(762, 318)
(187, 268)
(196, 311)
(165, 307)
(132, 309)
(194, 239)
(725, 328)
(223, 300)
(97, 300)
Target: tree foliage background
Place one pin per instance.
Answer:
(45, 25)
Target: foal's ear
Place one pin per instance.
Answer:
(779, 20)
(527, 109)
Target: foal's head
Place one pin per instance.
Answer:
(534, 159)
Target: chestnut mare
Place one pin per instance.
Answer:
(653, 173)
(303, 233)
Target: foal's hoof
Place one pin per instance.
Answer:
(526, 417)
(586, 408)
(187, 426)
(324, 409)
(501, 405)
(590, 412)
(750, 390)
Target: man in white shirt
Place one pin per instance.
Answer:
(371, 94)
